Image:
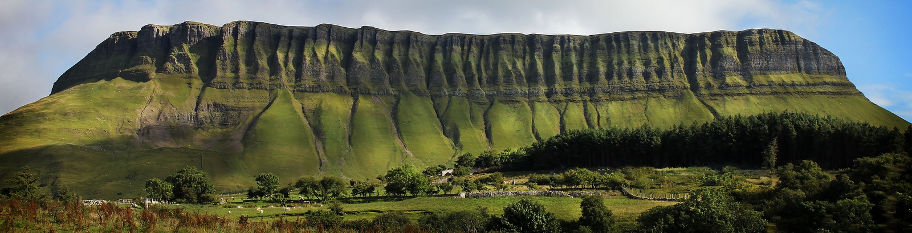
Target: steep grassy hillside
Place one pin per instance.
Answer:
(250, 97)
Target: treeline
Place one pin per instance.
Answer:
(746, 141)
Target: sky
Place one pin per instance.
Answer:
(40, 39)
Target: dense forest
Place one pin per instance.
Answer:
(745, 141)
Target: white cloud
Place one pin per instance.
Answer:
(42, 38)
(890, 97)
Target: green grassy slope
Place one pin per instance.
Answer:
(330, 117)
(464, 121)
(376, 146)
(84, 115)
(510, 125)
(546, 119)
(281, 141)
(855, 108)
(421, 131)
(86, 137)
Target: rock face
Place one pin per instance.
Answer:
(328, 58)
(251, 97)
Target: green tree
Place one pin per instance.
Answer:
(434, 170)
(331, 187)
(363, 188)
(466, 160)
(596, 216)
(770, 153)
(406, 180)
(24, 185)
(529, 216)
(63, 193)
(307, 186)
(267, 184)
(191, 185)
(707, 210)
(159, 189)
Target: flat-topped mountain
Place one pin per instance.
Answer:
(249, 97)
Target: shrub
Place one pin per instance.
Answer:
(595, 215)
(529, 216)
(391, 221)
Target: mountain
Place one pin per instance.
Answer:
(250, 97)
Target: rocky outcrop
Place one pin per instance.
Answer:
(367, 60)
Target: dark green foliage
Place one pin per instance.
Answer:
(707, 210)
(446, 188)
(903, 216)
(191, 185)
(769, 154)
(466, 160)
(331, 187)
(468, 185)
(831, 142)
(528, 216)
(363, 188)
(434, 170)
(462, 171)
(336, 207)
(488, 159)
(267, 184)
(24, 185)
(323, 218)
(63, 193)
(493, 179)
(908, 140)
(458, 221)
(807, 199)
(885, 179)
(543, 179)
(596, 217)
(406, 180)
(159, 189)
(307, 186)
(391, 221)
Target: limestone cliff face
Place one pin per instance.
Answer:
(328, 58)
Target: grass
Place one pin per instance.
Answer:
(86, 136)
(564, 208)
(421, 130)
(573, 116)
(546, 119)
(281, 141)
(376, 146)
(465, 122)
(510, 125)
(850, 107)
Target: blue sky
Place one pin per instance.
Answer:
(42, 38)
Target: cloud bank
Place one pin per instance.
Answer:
(42, 38)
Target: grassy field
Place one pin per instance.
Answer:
(564, 208)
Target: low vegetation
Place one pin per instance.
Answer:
(870, 194)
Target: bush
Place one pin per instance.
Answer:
(529, 216)
(595, 215)
(324, 218)
(707, 210)
(336, 207)
(540, 179)
(459, 221)
(406, 179)
(463, 171)
(391, 221)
